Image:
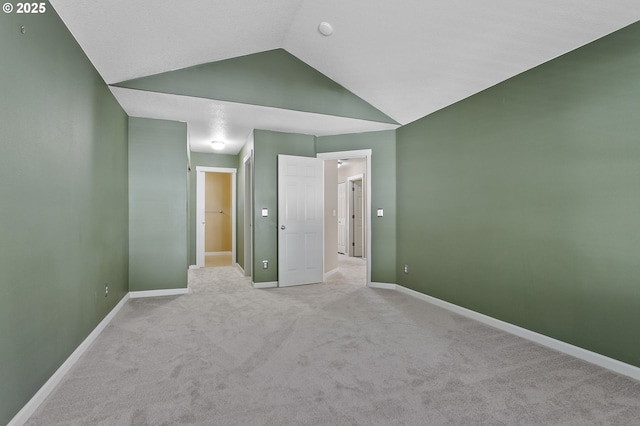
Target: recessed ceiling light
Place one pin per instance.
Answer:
(325, 28)
(217, 145)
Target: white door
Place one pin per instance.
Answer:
(342, 218)
(300, 221)
(358, 220)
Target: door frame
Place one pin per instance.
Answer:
(248, 214)
(366, 154)
(350, 210)
(200, 198)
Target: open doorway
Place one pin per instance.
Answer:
(215, 212)
(347, 231)
(217, 219)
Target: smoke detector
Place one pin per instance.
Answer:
(325, 28)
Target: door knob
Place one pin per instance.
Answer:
(283, 227)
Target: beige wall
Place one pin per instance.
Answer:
(217, 225)
(330, 215)
(353, 167)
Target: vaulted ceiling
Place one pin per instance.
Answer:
(404, 58)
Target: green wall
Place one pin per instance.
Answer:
(383, 194)
(157, 204)
(63, 198)
(523, 202)
(202, 160)
(267, 146)
(274, 78)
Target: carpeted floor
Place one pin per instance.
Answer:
(335, 353)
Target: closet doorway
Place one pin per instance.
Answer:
(215, 226)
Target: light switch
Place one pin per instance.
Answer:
(380, 212)
(265, 212)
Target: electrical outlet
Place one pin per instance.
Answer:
(265, 264)
(106, 290)
(406, 269)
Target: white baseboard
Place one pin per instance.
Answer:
(385, 286)
(158, 293)
(218, 253)
(328, 274)
(240, 268)
(193, 267)
(569, 349)
(271, 284)
(34, 403)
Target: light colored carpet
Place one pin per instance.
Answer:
(335, 353)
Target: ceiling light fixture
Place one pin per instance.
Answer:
(217, 145)
(325, 28)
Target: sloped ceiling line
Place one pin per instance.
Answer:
(274, 79)
(381, 51)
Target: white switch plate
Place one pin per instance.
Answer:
(265, 212)
(380, 212)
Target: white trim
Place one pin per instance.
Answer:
(34, 403)
(215, 169)
(158, 293)
(360, 153)
(191, 267)
(385, 286)
(247, 156)
(339, 155)
(331, 272)
(200, 171)
(247, 161)
(271, 284)
(218, 253)
(569, 349)
(240, 268)
(324, 228)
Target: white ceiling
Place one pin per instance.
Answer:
(408, 58)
